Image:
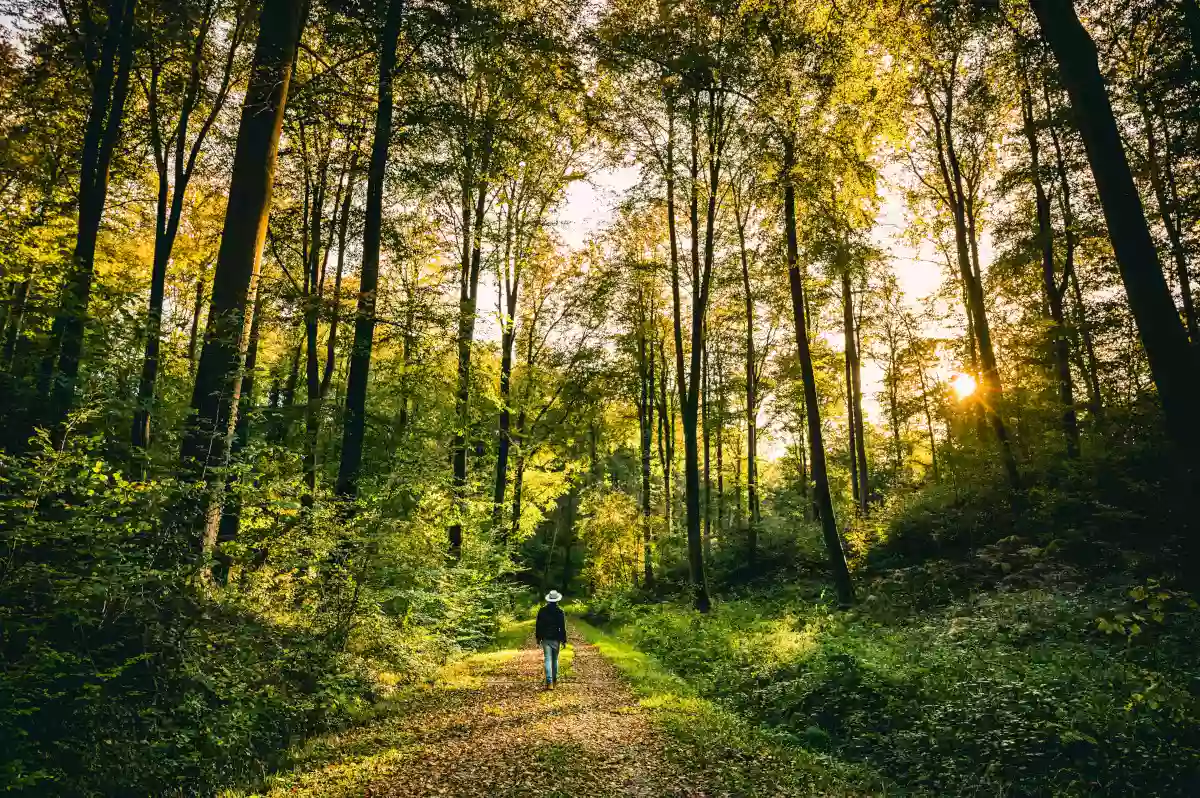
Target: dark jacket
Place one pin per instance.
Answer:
(551, 623)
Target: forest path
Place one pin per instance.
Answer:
(487, 727)
(501, 734)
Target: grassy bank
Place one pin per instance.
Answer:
(1022, 693)
(718, 745)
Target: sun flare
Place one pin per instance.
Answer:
(963, 385)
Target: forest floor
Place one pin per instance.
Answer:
(616, 725)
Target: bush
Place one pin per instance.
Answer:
(123, 673)
(1023, 693)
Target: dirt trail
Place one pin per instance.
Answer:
(498, 733)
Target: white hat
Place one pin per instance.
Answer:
(553, 596)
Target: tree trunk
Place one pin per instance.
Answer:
(1168, 215)
(1092, 370)
(860, 432)
(467, 303)
(666, 438)
(313, 278)
(689, 382)
(706, 429)
(16, 319)
(210, 429)
(110, 88)
(751, 407)
(354, 429)
(183, 163)
(720, 446)
(336, 302)
(967, 248)
(1054, 289)
(820, 476)
(197, 312)
(1191, 16)
(851, 426)
(1172, 363)
(503, 442)
(231, 517)
(646, 430)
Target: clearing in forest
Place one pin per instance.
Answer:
(486, 728)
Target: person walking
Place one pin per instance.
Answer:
(550, 631)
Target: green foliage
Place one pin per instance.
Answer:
(125, 676)
(1009, 693)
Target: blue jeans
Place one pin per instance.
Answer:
(550, 653)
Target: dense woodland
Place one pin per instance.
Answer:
(308, 375)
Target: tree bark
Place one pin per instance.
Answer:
(110, 88)
(467, 304)
(172, 190)
(1054, 289)
(751, 406)
(992, 393)
(1172, 362)
(231, 517)
(1091, 371)
(820, 475)
(336, 302)
(689, 382)
(354, 429)
(512, 284)
(706, 430)
(1167, 213)
(207, 440)
(646, 433)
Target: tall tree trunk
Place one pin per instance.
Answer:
(820, 475)
(197, 312)
(207, 440)
(706, 431)
(174, 149)
(666, 438)
(860, 446)
(933, 460)
(1172, 362)
(1157, 164)
(646, 430)
(720, 446)
(1091, 371)
(313, 278)
(967, 248)
(851, 426)
(1054, 289)
(336, 302)
(110, 88)
(689, 382)
(751, 406)
(468, 296)
(858, 450)
(16, 319)
(518, 479)
(231, 517)
(354, 428)
(507, 337)
(1191, 16)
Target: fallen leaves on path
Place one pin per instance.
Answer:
(488, 728)
(501, 734)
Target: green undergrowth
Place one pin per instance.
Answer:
(1022, 693)
(715, 744)
(381, 740)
